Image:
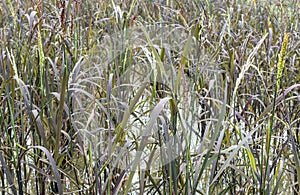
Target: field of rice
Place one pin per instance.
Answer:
(150, 97)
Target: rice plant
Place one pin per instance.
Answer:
(150, 97)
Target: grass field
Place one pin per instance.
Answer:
(150, 97)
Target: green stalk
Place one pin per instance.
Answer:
(280, 68)
(60, 113)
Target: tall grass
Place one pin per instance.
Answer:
(142, 97)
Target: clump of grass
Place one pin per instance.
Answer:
(119, 97)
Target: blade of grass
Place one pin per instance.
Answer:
(8, 174)
(212, 141)
(154, 115)
(54, 167)
(280, 67)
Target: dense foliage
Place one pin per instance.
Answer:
(150, 97)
